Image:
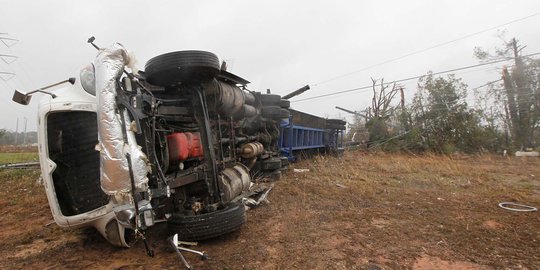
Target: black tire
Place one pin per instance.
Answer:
(284, 113)
(182, 66)
(271, 164)
(270, 100)
(275, 112)
(285, 104)
(284, 162)
(208, 225)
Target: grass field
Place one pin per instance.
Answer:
(362, 211)
(18, 157)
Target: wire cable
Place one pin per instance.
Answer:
(413, 78)
(424, 50)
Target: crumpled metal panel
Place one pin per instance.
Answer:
(114, 167)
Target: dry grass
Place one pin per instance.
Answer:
(18, 157)
(18, 149)
(395, 212)
(429, 205)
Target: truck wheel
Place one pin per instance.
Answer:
(182, 66)
(284, 162)
(284, 113)
(271, 164)
(285, 104)
(208, 225)
(270, 99)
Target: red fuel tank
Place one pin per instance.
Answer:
(184, 145)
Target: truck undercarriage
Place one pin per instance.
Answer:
(182, 142)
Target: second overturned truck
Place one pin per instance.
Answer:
(180, 142)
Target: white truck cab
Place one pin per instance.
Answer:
(67, 136)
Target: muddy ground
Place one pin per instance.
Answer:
(388, 212)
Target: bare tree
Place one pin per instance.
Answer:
(381, 109)
(520, 85)
(382, 98)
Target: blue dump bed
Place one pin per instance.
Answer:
(303, 132)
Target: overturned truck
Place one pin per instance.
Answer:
(180, 142)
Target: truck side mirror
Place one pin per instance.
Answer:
(21, 98)
(24, 99)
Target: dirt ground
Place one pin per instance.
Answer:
(363, 211)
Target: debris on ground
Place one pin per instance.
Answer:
(259, 195)
(177, 245)
(312, 224)
(527, 154)
(517, 207)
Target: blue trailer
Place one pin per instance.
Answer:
(303, 132)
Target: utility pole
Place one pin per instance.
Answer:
(17, 132)
(402, 98)
(351, 112)
(361, 115)
(24, 138)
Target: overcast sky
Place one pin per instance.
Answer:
(277, 45)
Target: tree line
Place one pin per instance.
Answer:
(505, 116)
(17, 138)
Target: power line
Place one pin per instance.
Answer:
(424, 50)
(412, 78)
(486, 84)
(409, 82)
(404, 84)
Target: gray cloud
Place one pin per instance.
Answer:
(281, 45)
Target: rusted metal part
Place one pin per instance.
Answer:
(307, 120)
(227, 76)
(228, 98)
(251, 150)
(296, 92)
(25, 165)
(234, 181)
(249, 97)
(257, 197)
(184, 180)
(176, 110)
(177, 245)
(207, 140)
